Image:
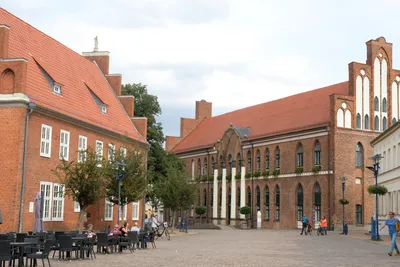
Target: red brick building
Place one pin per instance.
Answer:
(54, 103)
(286, 157)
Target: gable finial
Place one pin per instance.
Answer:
(96, 44)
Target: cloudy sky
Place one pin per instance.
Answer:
(234, 53)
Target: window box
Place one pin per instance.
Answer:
(316, 168)
(299, 170)
(248, 175)
(276, 172)
(257, 174)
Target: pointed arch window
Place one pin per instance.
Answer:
(300, 155)
(359, 156)
(317, 153)
(277, 158)
(384, 124)
(376, 123)
(277, 203)
(230, 164)
(376, 103)
(366, 122)
(239, 163)
(359, 216)
(300, 199)
(248, 197)
(193, 169)
(199, 168)
(205, 198)
(267, 202)
(258, 166)
(258, 198)
(212, 165)
(205, 171)
(249, 162)
(317, 201)
(358, 121)
(267, 159)
(384, 105)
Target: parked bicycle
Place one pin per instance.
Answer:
(164, 232)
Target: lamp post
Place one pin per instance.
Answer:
(375, 168)
(343, 187)
(119, 177)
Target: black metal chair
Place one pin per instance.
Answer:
(7, 253)
(67, 246)
(41, 255)
(102, 242)
(3, 237)
(21, 237)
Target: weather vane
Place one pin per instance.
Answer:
(96, 44)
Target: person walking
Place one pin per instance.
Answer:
(324, 225)
(391, 224)
(305, 225)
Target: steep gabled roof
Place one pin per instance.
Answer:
(302, 111)
(73, 72)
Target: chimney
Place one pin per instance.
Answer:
(128, 102)
(203, 109)
(379, 44)
(4, 34)
(102, 58)
(115, 81)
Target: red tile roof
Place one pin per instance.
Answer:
(302, 111)
(71, 70)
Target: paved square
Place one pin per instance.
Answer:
(250, 248)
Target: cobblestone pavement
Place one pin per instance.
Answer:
(250, 248)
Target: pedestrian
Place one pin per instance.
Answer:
(391, 224)
(324, 225)
(305, 225)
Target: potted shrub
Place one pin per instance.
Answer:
(257, 174)
(299, 170)
(229, 177)
(200, 211)
(316, 168)
(248, 175)
(245, 210)
(265, 173)
(219, 177)
(344, 201)
(276, 172)
(237, 176)
(380, 190)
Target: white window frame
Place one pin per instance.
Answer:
(59, 216)
(122, 152)
(99, 152)
(82, 148)
(108, 205)
(47, 196)
(45, 140)
(77, 207)
(125, 212)
(111, 153)
(104, 109)
(64, 144)
(135, 205)
(57, 89)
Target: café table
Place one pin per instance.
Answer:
(21, 246)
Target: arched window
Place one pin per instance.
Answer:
(340, 118)
(239, 163)
(358, 121)
(376, 103)
(277, 158)
(300, 155)
(317, 201)
(193, 170)
(199, 168)
(230, 164)
(376, 123)
(258, 200)
(359, 156)
(205, 198)
(267, 159)
(212, 165)
(266, 202)
(205, 171)
(384, 124)
(384, 105)
(366, 122)
(249, 162)
(359, 215)
(317, 153)
(248, 197)
(220, 163)
(258, 167)
(277, 203)
(300, 198)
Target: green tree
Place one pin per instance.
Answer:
(84, 181)
(134, 183)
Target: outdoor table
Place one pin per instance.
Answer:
(80, 240)
(21, 246)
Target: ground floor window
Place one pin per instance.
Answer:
(299, 213)
(359, 214)
(318, 213)
(278, 213)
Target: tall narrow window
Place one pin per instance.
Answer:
(45, 142)
(220, 198)
(46, 189)
(122, 152)
(108, 212)
(376, 123)
(277, 203)
(99, 151)
(384, 124)
(205, 172)
(249, 163)
(111, 153)
(199, 168)
(211, 198)
(384, 105)
(277, 158)
(359, 216)
(299, 202)
(267, 202)
(205, 198)
(58, 202)
(239, 163)
(376, 103)
(64, 145)
(258, 161)
(238, 201)
(317, 201)
(366, 122)
(267, 159)
(230, 164)
(317, 153)
(135, 211)
(359, 155)
(82, 146)
(358, 121)
(300, 156)
(248, 197)
(258, 200)
(212, 165)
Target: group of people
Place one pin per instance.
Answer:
(307, 225)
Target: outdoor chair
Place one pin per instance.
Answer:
(41, 255)
(7, 253)
(21, 237)
(102, 242)
(3, 237)
(134, 238)
(11, 236)
(67, 246)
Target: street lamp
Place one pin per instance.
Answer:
(375, 168)
(119, 177)
(343, 187)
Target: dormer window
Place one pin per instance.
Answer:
(104, 109)
(57, 89)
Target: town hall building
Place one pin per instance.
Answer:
(289, 157)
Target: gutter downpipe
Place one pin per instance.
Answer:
(31, 107)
